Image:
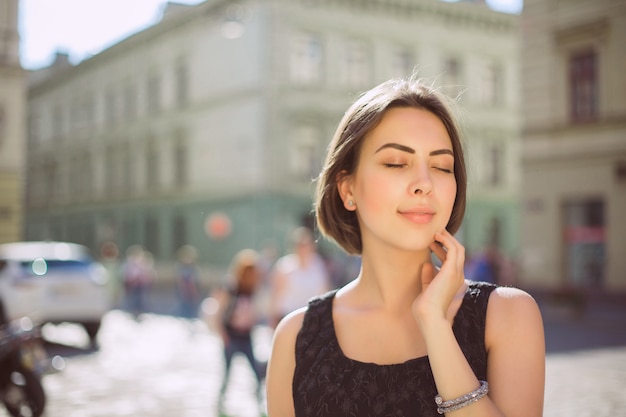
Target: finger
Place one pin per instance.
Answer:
(439, 251)
(449, 246)
(459, 252)
(455, 252)
(428, 275)
(459, 256)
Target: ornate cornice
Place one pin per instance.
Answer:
(597, 29)
(461, 15)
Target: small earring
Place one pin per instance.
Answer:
(350, 203)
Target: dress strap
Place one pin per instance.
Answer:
(469, 325)
(318, 316)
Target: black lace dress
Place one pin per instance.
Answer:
(327, 383)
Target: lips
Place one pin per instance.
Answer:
(419, 215)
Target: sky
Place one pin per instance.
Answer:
(83, 28)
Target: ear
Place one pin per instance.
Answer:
(344, 186)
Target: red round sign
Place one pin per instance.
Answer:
(217, 225)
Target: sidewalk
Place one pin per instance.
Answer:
(600, 323)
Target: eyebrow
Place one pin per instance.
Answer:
(408, 149)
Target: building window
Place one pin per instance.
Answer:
(305, 159)
(494, 166)
(128, 181)
(153, 94)
(151, 237)
(32, 194)
(89, 110)
(86, 172)
(451, 78)
(305, 62)
(5, 215)
(82, 111)
(402, 62)
(130, 101)
(109, 158)
(75, 178)
(50, 179)
(179, 232)
(110, 106)
(34, 128)
(182, 85)
(80, 176)
(583, 75)
(57, 121)
(585, 242)
(491, 84)
(181, 160)
(355, 68)
(76, 113)
(152, 166)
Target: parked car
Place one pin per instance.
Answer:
(53, 282)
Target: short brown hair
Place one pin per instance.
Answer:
(360, 119)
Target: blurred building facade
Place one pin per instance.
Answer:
(574, 136)
(12, 125)
(208, 127)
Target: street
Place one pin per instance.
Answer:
(162, 365)
(158, 366)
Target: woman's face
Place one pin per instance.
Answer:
(404, 187)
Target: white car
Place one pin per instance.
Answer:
(53, 282)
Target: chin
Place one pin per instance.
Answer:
(416, 245)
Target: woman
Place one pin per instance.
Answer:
(237, 315)
(404, 338)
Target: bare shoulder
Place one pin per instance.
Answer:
(512, 310)
(282, 363)
(288, 328)
(505, 298)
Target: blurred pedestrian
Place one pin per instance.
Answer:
(404, 337)
(298, 276)
(237, 315)
(138, 275)
(484, 266)
(109, 257)
(188, 281)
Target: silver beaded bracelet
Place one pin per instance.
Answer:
(465, 400)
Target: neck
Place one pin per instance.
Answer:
(390, 279)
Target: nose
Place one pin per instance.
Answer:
(421, 182)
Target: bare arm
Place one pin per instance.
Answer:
(514, 340)
(516, 348)
(281, 366)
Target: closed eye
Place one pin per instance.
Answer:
(446, 170)
(394, 165)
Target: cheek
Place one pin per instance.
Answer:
(450, 196)
(373, 190)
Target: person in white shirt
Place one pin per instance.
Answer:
(298, 276)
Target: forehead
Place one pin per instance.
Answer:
(409, 125)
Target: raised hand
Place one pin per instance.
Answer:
(439, 287)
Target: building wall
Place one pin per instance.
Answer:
(12, 126)
(256, 120)
(567, 163)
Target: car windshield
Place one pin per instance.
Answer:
(41, 266)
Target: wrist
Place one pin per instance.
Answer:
(430, 318)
